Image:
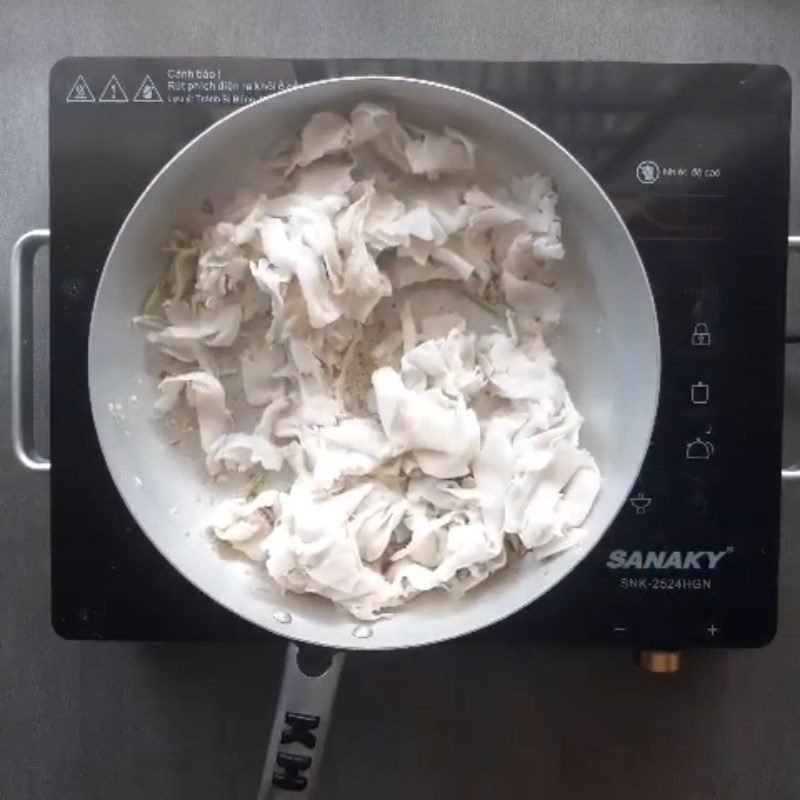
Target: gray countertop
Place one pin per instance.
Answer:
(102, 720)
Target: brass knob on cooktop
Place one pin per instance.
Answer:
(660, 661)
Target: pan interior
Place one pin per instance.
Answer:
(607, 346)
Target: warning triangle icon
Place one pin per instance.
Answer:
(148, 92)
(80, 92)
(113, 93)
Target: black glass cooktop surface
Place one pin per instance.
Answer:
(696, 159)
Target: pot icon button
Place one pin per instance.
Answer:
(699, 450)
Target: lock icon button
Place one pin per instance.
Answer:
(701, 335)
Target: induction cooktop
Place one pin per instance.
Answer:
(695, 158)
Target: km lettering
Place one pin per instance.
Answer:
(292, 767)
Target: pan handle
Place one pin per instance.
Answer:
(22, 263)
(792, 473)
(305, 702)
